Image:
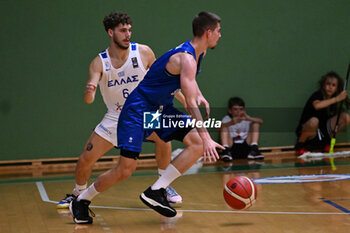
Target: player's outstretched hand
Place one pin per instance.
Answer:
(210, 153)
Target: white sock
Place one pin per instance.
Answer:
(226, 146)
(79, 189)
(89, 193)
(169, 175)
(160, 172)
(254, 143)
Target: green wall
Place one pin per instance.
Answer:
(271, 53)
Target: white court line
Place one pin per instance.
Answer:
(45, 198)
(43, 193)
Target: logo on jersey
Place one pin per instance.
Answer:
(135, 64)
(119, 107)
(105, 129)
(121, 74)
(108, 66)
(151, 120)
(132, 79)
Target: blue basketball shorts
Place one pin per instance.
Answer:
(133, 128)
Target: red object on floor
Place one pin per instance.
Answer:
(302, 151)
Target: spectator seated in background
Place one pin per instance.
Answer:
(319, 116)
(240, 132)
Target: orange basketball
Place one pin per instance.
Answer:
(240, 192)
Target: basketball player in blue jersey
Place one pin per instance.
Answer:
(175, 70)
(117, 70)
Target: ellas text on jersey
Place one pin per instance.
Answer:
(132, 79)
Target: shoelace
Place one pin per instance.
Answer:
(171, 191)
(69, 197)
(91, 212)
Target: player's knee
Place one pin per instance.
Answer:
(126, 173)
(126, 170)
(196, 144)
(346, 118)
(193, 139)
(313, 122)
(86, 160)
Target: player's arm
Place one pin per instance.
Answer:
(147, 56)
(95, 73)
(190, 89)
(319, 104)
(202, 101)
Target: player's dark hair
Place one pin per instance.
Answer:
(332, 74)
(204, 21)
(235, 101)
(114, 19)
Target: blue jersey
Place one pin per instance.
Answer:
(159, 86)
(156, 89)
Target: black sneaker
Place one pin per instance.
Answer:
(64, 203)
(157, 200)
(80, 211)
(255, 153)
(226, 155)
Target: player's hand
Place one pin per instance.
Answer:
(90, 87)
(341, 96)
(202, 101)
(210, 153)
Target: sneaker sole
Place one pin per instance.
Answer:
(175, 202)
(63, 206)
(251, 157)
(226, 158)
(161, 209)
(82, 221)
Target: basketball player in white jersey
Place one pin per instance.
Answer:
(117, 70)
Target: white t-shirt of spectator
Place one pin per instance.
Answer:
(238, 132)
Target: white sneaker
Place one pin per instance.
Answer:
(172, 196)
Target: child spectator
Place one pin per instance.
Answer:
(319, 116)
(240, 132)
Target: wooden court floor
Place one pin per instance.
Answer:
(293, 196)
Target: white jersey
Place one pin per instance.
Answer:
(117, 84)
(238, 132)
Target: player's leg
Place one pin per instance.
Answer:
(80, 207)
(252, 140)
(93, 150)
(154, 195)
(130, 136)
(95, 147)
(226, 141)
(192, 152)
(163, 158)
(308, 130)
(163, 151)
